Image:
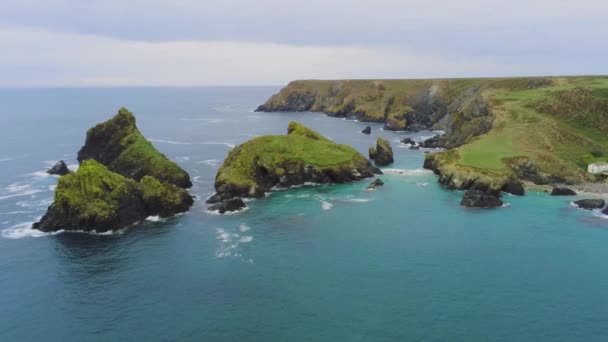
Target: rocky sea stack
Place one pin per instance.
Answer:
(122, 179)
(59, 169)
(118, 144)
(382, 154)
(590, 204)
(302, 156)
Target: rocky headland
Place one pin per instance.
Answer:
(501, 133)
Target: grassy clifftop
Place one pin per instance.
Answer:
(539, 129)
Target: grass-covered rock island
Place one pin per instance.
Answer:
(122, 179)
(303, 155)
(501, 133)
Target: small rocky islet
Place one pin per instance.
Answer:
(122, 179)
(281, 161)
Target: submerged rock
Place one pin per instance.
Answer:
(59, 169)
(562, 192)
(302, 156)
(376, 183)
(94, 198)
(590, 204)
(475, 198)
(382, 154)
(118, 144)
(367, 130)
(408, 141)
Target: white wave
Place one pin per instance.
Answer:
(23, 230)
(5, 159)
(17, 212)
(245, 239)
(243, 228)
(357, 200)
(210, 162)
(21, 194)
(326, 205)
(153, 218)
(182, 159)
(73, 167)
(422, 184)
(228, 243)
(172, 142)
(52, 187)
(39, 175)
(406, 172)
(219, 143)
(217, 212)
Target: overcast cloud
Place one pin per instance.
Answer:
(238, 42)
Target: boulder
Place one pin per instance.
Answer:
(408, 141)
(59, 169)
(475, 198)
(514, 187)
(227, 205)
(590, 204)
(558, 191)
(367, 130)
(376, 183)
(382, 154)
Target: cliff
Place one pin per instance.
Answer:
(542, 130)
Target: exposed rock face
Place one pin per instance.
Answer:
(376, 183)
(474, 198)
(562, 192)
(59, 169)
(514, 187)
(367, 130)
(382, 154)
(230, 204)
(118, 144)
(438, 141)
(408, 141)
(302, 156)
(94, 198)
(590, 204)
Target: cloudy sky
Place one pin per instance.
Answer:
(269, 42)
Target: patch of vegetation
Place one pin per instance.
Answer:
(118, 144)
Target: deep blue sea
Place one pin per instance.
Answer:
(325, 263)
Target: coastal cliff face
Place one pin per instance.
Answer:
(303, 155)
(542, 130)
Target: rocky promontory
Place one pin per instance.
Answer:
(122, 179)
(280, 161)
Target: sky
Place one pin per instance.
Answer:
(271, 42)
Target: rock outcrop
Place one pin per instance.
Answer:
(367, 130)
(438, 141)
(122, 179)
(60, 169)
(382, 154)
(560, 191)
(590, 204)
(475, 198)
(118, 144)
(227, 205)
(302, 156)
(376, 183)
(94, 198)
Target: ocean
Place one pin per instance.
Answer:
(323, 263)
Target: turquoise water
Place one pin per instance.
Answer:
(326, 263)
